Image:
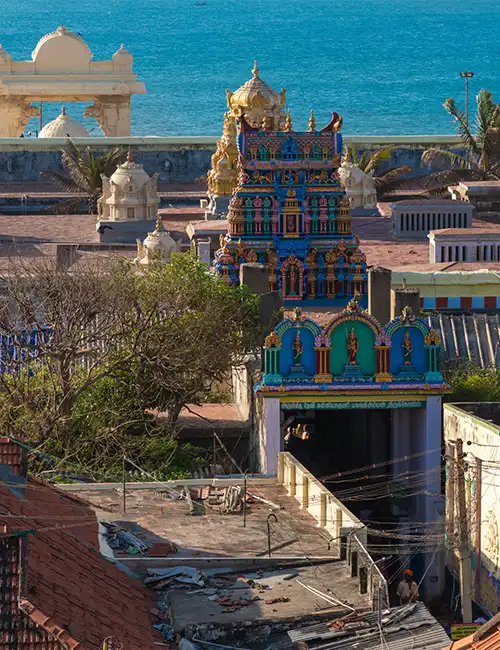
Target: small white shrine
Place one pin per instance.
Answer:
(157, 247)
(359, 186)
(130, 194)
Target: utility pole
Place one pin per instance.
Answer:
(464, 548)
(466, 76)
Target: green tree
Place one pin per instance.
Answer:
(471, 383)
(83, 175)
(94, 351)
(384, 182)
(480, 142)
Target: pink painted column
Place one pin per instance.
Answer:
(323, 216)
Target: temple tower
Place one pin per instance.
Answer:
(261, 106)
(289, 212)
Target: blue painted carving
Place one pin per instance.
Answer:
(289, 202)
(354, 349)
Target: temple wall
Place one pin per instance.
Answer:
(181, 158)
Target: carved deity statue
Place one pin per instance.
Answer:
(352, 347)
(298, 349)
(407, 346)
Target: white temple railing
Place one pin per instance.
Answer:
(337, 521)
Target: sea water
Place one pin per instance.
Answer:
(386, 66)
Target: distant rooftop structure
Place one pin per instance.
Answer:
(483, 195)
(465, 245)
(415, 218)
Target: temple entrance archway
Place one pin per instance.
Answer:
(341, 441)
(61, 70)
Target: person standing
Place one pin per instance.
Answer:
(407, 588)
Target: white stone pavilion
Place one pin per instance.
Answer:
(61, 69)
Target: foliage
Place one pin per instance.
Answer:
(481, 160)
(112, 346)
(385, 182)
(471, 383)
(83, 175)
(109, 422)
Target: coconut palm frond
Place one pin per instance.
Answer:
(466, 135)
(378, 157)
(363, 163)
(441, 180)
(392, 174)
(484, 115)
(437, 155)
(69, 206)
(83, 174)
(64, 182)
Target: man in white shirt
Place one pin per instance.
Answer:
(407, 588)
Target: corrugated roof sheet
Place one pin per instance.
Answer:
(474, 338)
(415, 626)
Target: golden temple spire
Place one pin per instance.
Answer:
(159, 224)
(288, 122)
(312, 122)
(255, 70)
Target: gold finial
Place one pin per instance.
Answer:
(312, 122)
(255, 70)
(159, 224)
(288, 122)
(63, 110)
(130, 156)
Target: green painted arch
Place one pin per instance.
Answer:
(395, 324)
(307, 323)
(366, 357)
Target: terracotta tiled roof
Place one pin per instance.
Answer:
(57, 585)
(11, 455)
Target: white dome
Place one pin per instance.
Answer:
(130, 173)
(158, 245)
(64, 127)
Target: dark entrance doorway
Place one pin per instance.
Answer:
(343, 441)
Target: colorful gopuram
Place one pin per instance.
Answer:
(289, 212)
(260, 105)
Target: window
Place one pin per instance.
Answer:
(315, 152)
(130, 213)
(262, 153)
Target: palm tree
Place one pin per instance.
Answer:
(387, 181)
(481, 160)
(83, 175)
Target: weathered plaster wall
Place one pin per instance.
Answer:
(180, 159)
(481, 440)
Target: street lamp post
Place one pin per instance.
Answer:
(466, 76)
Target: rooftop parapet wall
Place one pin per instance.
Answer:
(181, 158)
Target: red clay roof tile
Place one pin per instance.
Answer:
(70, 589)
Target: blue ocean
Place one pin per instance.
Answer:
(385, 65)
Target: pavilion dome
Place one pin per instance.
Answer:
(158, 245)
(63, 127)
(130, 174)
(255, 99)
